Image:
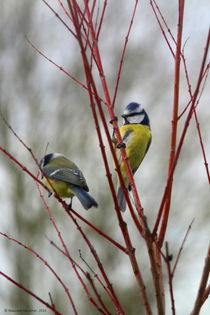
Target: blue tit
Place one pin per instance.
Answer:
(64, 177)
(136, 135)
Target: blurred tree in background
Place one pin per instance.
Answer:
(51, 112)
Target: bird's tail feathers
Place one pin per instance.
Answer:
(121, 199)
(84, 197)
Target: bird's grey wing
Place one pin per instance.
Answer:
(125, 138)
(126, 135)
(74, 177)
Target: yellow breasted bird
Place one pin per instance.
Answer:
(66, 179)
(136, 136)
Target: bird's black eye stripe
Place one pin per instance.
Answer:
(131, 114)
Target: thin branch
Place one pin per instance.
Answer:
(123, 53)
(46, 264)
(34, 177)
(106, 311)
(99, 231)
(55, 64)
(181, 248)
(58, 16)
(96, 276)
(30, 293)
(201, 295)
(183, 134)
(101, 20)
(174, 121)
(93, 284)
(168, 259)
(74, 267)
(19, 139)
(205, 75)
(98, 261)
(153, 5)
(186, 74)
(65, 11)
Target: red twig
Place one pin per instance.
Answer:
(64, 9)
(205, 74)
(168, 259)
(74, 267)
(46, 264)
(100, 265)
(58, 16)
(30, 293)
(174, 120)
(123, 54)
(202, 146)
(107, 312)
(82, 270)
(55, 64)
(19, 139)
(194, 99)
(152, 3)
(101, 20)
(187, 78)
(111, 240)
(12, 158)
(181, 248)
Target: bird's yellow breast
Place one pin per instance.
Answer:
(136, 138)
(61, 188)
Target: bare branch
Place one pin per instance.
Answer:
(30, 293)
(202, 291)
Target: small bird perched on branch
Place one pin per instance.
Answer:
(136, 136)
(64, 177)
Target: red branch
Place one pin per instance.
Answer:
(154, 5)
(30, 293)
(46, 264)
(58, 16)
(123, 53)
(91, 86)
(186, 75)
(174, 121)
(191, 111)
(74, 267)
(85, 273)
(181, 248)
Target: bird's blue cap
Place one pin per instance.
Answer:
(133, 107)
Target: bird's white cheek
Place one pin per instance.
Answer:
(136, 119)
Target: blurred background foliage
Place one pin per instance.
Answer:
(50, 111)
